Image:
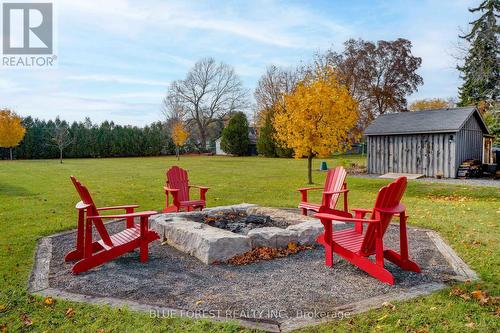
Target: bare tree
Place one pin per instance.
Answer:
(275, 83)
(209, 92)
(379, 76)
(61, 137)
(173, 109)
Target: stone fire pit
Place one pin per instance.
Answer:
(277, 295)
(221, 233)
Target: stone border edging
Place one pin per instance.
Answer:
(38, 284)
(464, 272)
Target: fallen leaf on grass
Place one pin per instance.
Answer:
(444, 198)
(457, 291)
(433, 308)
(3, 328)
(382, 318)
(470, 325)
(497, 312)
(2, 308)
(48, 301)
(70, 312)
(26, 320)
(481, 296)
(101, 330)
(389, 305)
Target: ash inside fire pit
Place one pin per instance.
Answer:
(237, 222)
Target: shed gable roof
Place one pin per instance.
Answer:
(428, 121)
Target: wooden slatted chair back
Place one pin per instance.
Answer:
(177, 178)
(87, 200)
(388, 197)
(335, 179)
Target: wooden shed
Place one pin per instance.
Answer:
(430, 142)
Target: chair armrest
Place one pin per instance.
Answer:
(168, 189)
(200, 187)
(117, 207)
(362, 210)
(335, 192)
(81, 205)
(309, 189)
(393, 210)
(326, 216)
(122, 216)
(303, 192)
(203, 191)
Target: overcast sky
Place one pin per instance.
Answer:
(117, 57)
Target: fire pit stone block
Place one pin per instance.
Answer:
(307, 232)
(233, 208)
(272, 237)
(204, 242)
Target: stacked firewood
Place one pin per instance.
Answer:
(470, 169)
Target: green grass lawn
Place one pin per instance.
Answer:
(37, 199)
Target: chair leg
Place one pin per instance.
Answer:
(78, 252)
(304, 211)
(379, 247)
(130, 220)
(403, 238)
(143, 254)
(328, 242)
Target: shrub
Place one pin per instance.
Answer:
(235, 136)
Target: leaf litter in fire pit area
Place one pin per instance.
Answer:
(267, 253)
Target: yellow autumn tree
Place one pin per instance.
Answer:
(179, 136)
(318, 119)
(430, 103)
(11, 129)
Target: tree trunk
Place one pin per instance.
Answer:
(309, 168)
(177, 152)
(60, 155)
(10, 149)
(203, 138)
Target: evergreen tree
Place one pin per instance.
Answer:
(481, 68)
(92, 140)
(265, 143)
(235, 136)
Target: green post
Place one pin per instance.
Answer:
(323, 166)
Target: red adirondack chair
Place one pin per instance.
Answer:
(91, 253)
(178, 187)
(334, 186)
(356, 247)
